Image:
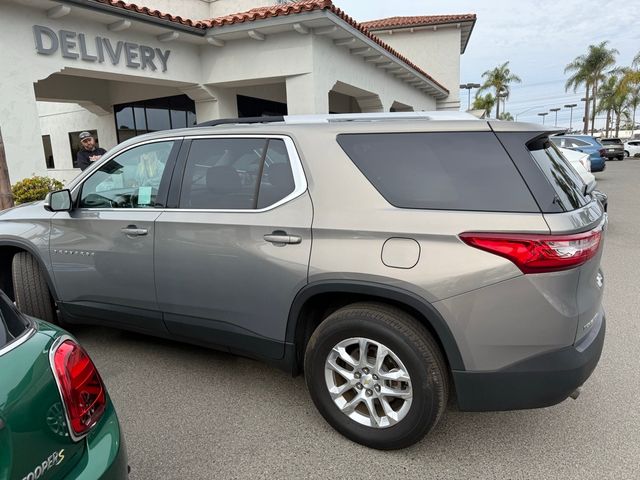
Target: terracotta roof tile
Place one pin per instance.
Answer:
(399, 22)
(153, 13)
(262, 13)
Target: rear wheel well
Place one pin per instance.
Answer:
(321, 305)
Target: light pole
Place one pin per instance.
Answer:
(571, 106)
(585, 117)
(543, 114)
(555, 110)
(503, 96)
(469, 86)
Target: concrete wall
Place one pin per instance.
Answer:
(333, 65)
(436, 52)
(57, 120)
(22, 67)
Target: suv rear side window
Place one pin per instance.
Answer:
(562, 177)
(236, 174)
(440, 171)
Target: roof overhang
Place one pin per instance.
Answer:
(326, 20)
(342, 34)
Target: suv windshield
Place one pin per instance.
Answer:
(12, 323)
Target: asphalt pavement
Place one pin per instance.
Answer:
(192, 413)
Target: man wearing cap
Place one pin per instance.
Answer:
(89, 152)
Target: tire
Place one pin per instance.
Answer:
(30, 287)
(417, 352)
(621, 158)
(626, 154)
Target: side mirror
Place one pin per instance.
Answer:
(58, 201)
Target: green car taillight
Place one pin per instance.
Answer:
(81, 387)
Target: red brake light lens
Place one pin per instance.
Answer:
(83, 392)
(534, 253)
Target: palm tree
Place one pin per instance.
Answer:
(632, 82)
(485, 103)
(499, 79)
(606, 100)
(506, 116)
(588, 69)
(579, 77)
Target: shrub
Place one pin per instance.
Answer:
(34, 188)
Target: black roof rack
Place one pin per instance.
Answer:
(236, 121)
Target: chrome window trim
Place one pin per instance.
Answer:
(20, 339)
(299, 177)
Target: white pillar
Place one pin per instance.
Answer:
(306, 96)
(20, 126)
(213, 103)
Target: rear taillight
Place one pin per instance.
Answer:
(81, 387)
(602, 152)
(534, 253)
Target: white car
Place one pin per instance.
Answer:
(580, 162)
(632, 148)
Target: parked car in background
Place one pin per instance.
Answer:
(586, 144)
(396, 259)
(581, 163)
(613, 148)
(632, 148)
(56, 418)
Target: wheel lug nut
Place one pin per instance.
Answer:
(366, 371)
(359, 386)
(369, 393)
(357, 375)
(375, 377)
(377, 387)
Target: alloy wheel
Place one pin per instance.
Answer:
(368, 382)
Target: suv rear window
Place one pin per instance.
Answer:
(12, 324)
(610, 141)
(565, 181)
(440, 171)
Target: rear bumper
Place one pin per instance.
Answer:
(598, 165)
(540, 381)
(105, 456)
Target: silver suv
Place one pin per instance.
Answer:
(398, 260)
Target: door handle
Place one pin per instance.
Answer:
(280, 238)
(133, 231)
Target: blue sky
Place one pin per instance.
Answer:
(538, 38)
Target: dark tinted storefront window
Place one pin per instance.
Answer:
(440, 171)
(152, 115)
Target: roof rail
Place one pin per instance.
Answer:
(238, 121)
(379, 116)
(342, 117)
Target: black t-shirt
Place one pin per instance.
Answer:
(83, 161)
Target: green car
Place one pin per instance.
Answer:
(56, 418)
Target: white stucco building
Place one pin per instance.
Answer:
(121, 69)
